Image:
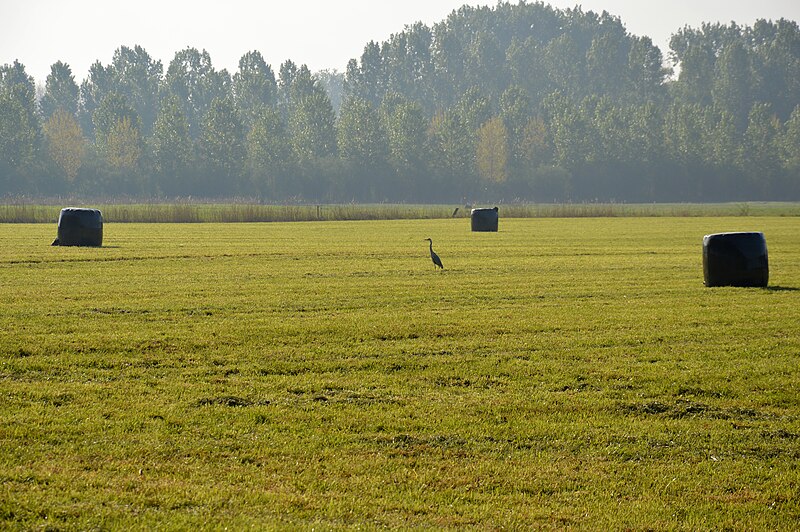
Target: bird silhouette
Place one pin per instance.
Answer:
(434, 257)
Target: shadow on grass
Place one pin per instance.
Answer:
(782, 289)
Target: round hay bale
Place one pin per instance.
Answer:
(484, 219)
(735, 259)
(80, 227)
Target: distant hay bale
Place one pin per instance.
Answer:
(735, 259)
(485, 220)
(79, 227)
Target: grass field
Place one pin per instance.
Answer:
(560, 373)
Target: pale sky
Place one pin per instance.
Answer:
(322, 34)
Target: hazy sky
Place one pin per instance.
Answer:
(321, 33)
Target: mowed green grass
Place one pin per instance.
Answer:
(558, 373)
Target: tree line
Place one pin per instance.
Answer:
(513, 102)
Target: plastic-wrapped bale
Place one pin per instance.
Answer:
(735, 259)
(79, 227)
(484, 219)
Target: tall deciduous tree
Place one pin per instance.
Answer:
(405, 128)
(223, 149)
(683, 133)
(790, 143)
(492, 151)
(761, 154)
(732, 88)
(97, 85)
(538, 177)
(304, 85)
(173, 149)
(605, 62)
(515, 111)
(20, 130)
(254, 86)
(646, 71)
(790, 153)
(644, 148)
(112, 112)
(365, 79)
(191, 77)
(484, 65)
(362, 144)
(570, 130)
(451, 148)
(269, 155)
(409, 64)
(123, 144)
(65, 142)
(722, 139)
(312, 128)
(564, 65)
(361, 138)
(286, 76)
(120, 144)
(19, 85)
(61, 91)
(136, 76)
(18, 140)
(333, 82)
(696, 62)
(776, 46)
(684, 129)
(535, 145)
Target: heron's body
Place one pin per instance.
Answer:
(434, 257)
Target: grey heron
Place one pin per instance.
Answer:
(434, 257)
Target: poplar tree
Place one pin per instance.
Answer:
(492, 151)
(61, 91)
(66, 144)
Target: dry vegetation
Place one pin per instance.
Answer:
(23, 212)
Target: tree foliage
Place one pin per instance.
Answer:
(65, 142)
(61, 91)
(108, 120)
(222, 148)
(123, 144)
(254, 86)
(516, 101)
(492, 151)
(269, 155)
(172, 149)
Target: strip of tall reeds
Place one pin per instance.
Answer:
(24, 212)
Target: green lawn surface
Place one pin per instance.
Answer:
(560, 373)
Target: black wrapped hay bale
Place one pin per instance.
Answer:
(79, 227)
(484, 219)
(735, 259)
